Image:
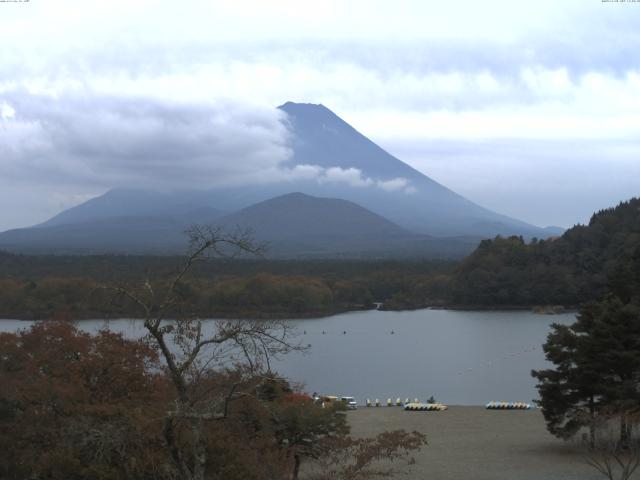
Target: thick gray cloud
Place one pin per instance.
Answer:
(109, 141)
(89, 143)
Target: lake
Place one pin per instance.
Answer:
(459, 357)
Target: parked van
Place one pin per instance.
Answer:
(350, 402)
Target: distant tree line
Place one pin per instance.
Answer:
(501, 273)
(65, 287)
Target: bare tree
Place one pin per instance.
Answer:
(346, 458)
(192, 349)
(615, 456)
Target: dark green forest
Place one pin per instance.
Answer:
(509, 272)
(569, 270)
(593, 385)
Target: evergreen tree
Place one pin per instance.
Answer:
(597, 369)
(568, 393)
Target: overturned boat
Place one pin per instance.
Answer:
(508, 406)
(429, 407)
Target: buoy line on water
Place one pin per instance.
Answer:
(347, 332)
(488, 363)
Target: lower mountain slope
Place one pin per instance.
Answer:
(293, 225)
(141, 234)
(300, 225)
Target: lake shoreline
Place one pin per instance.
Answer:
(29, 317)
(537, 309)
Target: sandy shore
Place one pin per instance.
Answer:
(477, 444)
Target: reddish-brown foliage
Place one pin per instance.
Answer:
(75, 405)
(80, 406)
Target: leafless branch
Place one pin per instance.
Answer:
(257, 341)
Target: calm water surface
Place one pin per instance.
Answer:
(459, 357)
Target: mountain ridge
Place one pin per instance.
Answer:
(295, 225)
(349, 167)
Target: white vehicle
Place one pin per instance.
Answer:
(350, 402)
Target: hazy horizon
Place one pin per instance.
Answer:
(531, 110)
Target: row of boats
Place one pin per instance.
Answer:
(390, 403)
(408, 405)
(508, 406)
(429, 407)
(434, 406)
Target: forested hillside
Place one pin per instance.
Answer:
(569, 270)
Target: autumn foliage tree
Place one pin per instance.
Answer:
(74, 405)
(305, 427)
(81, 406)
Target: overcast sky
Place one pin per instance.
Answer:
(530, 108)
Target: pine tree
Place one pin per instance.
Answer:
(568, 393)
(597, 369)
